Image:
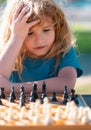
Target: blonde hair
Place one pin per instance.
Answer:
(63, 39)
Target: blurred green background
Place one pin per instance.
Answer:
(79, 15)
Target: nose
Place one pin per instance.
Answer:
(39, 38)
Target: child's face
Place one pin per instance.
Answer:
(40, 39)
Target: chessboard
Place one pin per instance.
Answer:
(43, 111)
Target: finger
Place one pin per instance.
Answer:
(23, 12)
(33, 23)
(18, 10)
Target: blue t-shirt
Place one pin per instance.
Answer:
(40, 69)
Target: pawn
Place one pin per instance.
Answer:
(54, 98)
(2, 95)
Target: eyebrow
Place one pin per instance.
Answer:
(48, 26)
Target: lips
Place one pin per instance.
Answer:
(40, 47)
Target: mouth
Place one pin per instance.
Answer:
(40, 47)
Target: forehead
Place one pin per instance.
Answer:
(45, 22)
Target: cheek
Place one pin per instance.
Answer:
(52, 38)
(27, 43)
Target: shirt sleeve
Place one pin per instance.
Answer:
(15, 77)
(71, 59)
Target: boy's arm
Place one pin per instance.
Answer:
(66, 77)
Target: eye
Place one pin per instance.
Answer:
(46, 30)
(30, 33)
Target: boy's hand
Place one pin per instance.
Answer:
(19, 26)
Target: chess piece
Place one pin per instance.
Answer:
(33, 94)
(72, 97)
(54, 98)
(42, 98)
(76, 99)
(22, 90)
(12, 96)
(44, 89)
(22, 99)
(2, 95)
(0, 101)
(65, 95)
(64, 101)
(35, 91)
(32, 97)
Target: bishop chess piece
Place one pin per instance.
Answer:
(2, 95)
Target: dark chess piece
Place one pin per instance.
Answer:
(42, 98)
(0, 101)
(2, 95)
(12, 96)
(65, 95)
(35, 91)
(76, 99)
(44, 89)
(32, 97)
(22, 99)
(64, 101)
(22, 90)
(33, 94)
(72, 97)
(54, 98)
